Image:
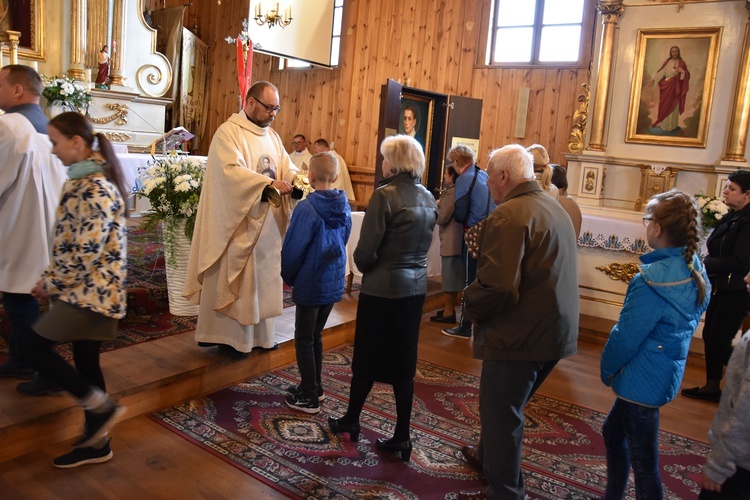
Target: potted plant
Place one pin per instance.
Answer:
(172, 184)
(65, 94)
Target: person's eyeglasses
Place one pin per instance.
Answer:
(296, 142)
(269, 109)
(647, 220)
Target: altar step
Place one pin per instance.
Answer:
(153, 375)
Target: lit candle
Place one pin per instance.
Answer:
(277, 8)
(257, 10)
(35, 65)
(88, 76)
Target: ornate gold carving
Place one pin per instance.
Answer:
(34, 51)
(10, 39)
(580, 118)
(120, 117)
(116, 136)
(741, 112)
(611, 10)
(620, 272)
(590, 180)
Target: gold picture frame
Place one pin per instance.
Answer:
(672, 86)
(422, 108)
(31, 25)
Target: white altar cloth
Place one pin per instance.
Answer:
(613, 230)
(434, 263)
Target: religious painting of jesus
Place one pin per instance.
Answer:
(673, 84)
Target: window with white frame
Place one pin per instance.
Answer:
(539, 32)
(338, 20)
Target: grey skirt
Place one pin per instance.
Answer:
(65, 323)
(453, 274)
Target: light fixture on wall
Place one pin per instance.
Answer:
(273, 17)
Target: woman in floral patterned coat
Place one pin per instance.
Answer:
(85, 281)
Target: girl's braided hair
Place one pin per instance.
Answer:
(679, 217)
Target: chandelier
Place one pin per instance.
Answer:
(273, 16)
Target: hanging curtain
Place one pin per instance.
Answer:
(193, 83)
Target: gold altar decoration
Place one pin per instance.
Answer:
(611, 11)
(620, 271)
(116, 136)
(738, 127)
(653, 182)
(580, 119)
(34, 9)
(120, 117)
(10, 39)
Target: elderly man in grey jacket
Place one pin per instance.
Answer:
(524, 306)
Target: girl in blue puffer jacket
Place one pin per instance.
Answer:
(644, 358)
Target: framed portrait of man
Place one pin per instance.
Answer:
(415, 119)
(672, 86)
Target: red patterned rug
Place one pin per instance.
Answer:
(148, 316)
(249, 426)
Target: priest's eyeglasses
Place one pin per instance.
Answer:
(269, 109)
(647, 220)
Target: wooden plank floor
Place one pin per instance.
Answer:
(154, 463)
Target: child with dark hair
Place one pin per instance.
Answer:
(85, 281)
(313, 261)
(644, 358)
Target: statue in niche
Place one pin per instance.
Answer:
(101, 76)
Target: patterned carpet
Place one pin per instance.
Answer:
(148, 316)
(249, 426)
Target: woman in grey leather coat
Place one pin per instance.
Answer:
(392, 255)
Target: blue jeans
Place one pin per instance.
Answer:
(631, 436)
(23, 311)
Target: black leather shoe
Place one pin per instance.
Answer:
(403, 448)
(471, 455)
(440, 318)
(337, 428)
(39, 387)
(696, 393)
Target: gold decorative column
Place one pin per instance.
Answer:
(741, 112)
(77, 39)
(10, 38)
(611, 11)
(118, 44)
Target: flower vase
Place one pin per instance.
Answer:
(176, 255)
(56, 109)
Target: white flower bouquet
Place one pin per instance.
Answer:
(712, 210)
(172, 185)
(66, 92)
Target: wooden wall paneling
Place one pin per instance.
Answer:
(379, 57)
(453, 28)
(403, 60)
(534, 79)
(350, 31)
(478, 89)
(429, 52)
(468, 47)
(360, 62)
(551, 108)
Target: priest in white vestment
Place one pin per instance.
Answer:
(234, 272)
(300, 155)
(344, 181)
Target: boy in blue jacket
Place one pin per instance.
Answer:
(313, 262)
(644, 358)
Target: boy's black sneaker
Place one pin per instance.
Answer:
(98, 424)
(302, 403)
(294, 390)
(83, 456)
(462, 331)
